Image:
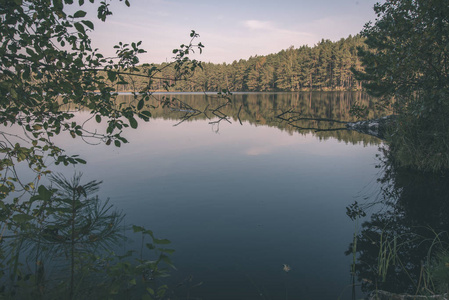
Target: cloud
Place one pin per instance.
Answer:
(251, 37)
(257, 25)
(267, 27)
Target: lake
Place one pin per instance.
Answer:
(262, 195)
(242, 197)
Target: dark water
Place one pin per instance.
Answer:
(242, 197)
(248, 188)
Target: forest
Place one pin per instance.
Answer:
(48, 62)
(324, 67)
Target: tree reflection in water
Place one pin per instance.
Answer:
(61, 246)
(397, 247)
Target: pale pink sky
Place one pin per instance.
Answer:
(230, 29)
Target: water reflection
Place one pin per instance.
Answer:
(241, 201)
(320, 113)
(398, 245)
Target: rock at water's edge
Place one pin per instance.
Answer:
(375, 127)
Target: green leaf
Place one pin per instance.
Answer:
(140, 104)
(22, 218)
(79, 27)
(161, 241)
(44, 193)
(88, 24)
(98, 118)
(79, 14)
(58, 4)
(146, 113)
(133, 123)
(161, 291)
(138, 228)
(81, 161)
(150, 290)
(30, 52)
(117, 143)
(112, 76)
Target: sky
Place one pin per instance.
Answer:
(229, 29)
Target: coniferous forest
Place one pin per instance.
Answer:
(219, 187)
(323, 67)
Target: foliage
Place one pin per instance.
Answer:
(406, 66)
(400, 248)
(438, 273)
(48, 70)
(67, 251)
(324, 67)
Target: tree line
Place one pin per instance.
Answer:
(324, 67)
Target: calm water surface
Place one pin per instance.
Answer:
(240, 200)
